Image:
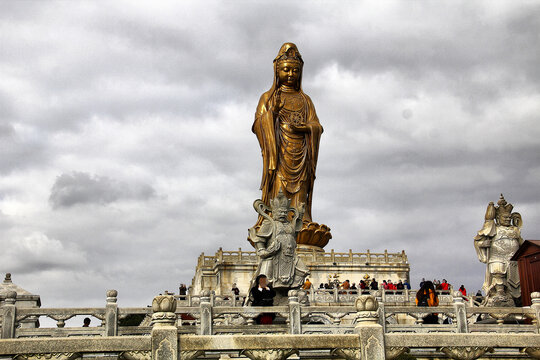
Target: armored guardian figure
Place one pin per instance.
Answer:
(495, 245)
(275, 242)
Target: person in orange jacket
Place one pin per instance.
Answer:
(427, 296)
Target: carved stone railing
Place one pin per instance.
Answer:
(329, 296)
(250, 257)
(111, 317)
(209, 316)
(367, 339)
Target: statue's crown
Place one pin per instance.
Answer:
(280, 201)
(291, 55)
(503, 207)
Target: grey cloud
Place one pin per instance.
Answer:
(151, 89)
(83, 188)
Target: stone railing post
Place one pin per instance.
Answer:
(206, 313)
(220, 255)
(370, 332)
(336, 294)
(164, 332)
(9, 315)
(382, 316)
(111, 314)
(190, 293)
(294, 313)
(535, 304)
(461, 313)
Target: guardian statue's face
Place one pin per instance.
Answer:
(505, 219)
(280, 214)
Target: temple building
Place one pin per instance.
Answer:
(220, 271)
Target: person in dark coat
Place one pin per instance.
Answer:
(263, 295)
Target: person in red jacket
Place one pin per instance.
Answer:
(462, 290)
(445, 286)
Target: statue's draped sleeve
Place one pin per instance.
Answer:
(483, 237)
(263, 127)
(314, 136)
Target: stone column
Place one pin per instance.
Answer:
(164, 333)
(294, 313)
(10, 314)
(370, 332)
(111, 314)
(206, 313)
(535, 304)
(461, 313)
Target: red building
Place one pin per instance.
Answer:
(528, 258)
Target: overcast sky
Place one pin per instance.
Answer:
(126, 147)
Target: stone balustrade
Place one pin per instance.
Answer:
(212, 314)
(331, 257)
(333, 296)
(300, 330)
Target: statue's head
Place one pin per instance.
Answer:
(280, 207)
(288, 66)
(503, 212)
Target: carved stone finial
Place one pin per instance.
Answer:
(293, 293)
(11, 297)
(535, 297)
(366, 303)
(457, 297)
(7, 279)
(367, 307)
(205, 295)
(164, 307)
(112, 296)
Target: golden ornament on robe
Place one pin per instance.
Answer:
(289, 131)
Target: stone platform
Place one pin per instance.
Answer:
(220, 271)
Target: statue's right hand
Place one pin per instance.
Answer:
(485, 243)
(273, 249)
(263, 253)
(278, 103)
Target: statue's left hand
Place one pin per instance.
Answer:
(299, 128)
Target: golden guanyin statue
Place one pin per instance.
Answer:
(289, 131)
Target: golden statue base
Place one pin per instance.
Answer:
(313, 236)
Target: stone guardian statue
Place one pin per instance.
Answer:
(495, 245)
(275, 242)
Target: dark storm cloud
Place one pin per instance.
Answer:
(83, 188)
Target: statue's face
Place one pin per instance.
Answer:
(505, 219)
(289, 73)
(280, 214)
